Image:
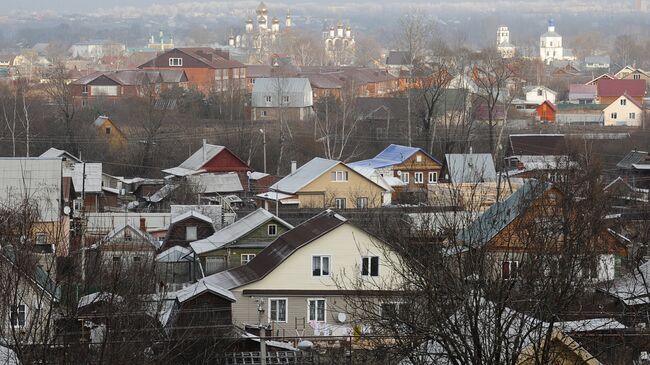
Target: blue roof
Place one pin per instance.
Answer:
(391, 155)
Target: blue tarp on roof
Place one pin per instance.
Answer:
(391, 155)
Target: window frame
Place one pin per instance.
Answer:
(175, 62)
(249, 257)
(632, 115)
(418, 177)
(364, 202)
(405, 177)
(320, 258)
(430, 175)
(187, 233)
(339, 176)
(613, 115)
(368, 267)
(275, 229)
(623, 102)
(340, 203)
(512, 274)
(286, 310)
(17, 312)
(316, 300)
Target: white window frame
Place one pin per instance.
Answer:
(340, 203)
(339, 176)
(418, 177)
(246, 258)
(418, 158)
(189, 236)
(405, 177)
(369, 274)
(286, 310)
(175, 62)
(268, 99)
(433, 177)
(275, 229)
(285, 99)
(329, 266)
(263, 113)
(18, 311)
(316, 300)
(362, 202)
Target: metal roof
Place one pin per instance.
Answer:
(93, 179)
(146, 237)
(304, 175)
(537, 144)
(235, 231)
(501, 214)
(278, 251)
(175, 254)
(201, 287)
(55, 152)
(199, 158)
(470, 167)
(189, 214)
(633, 157)
(394, 154)
(634, 88)
(216, 183)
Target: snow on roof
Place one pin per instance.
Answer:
(93, 180)
(235, 231)
(195, 162)
(216, 183)
(55, 152)
(392, 155)
(175, 254)
(98, 297)
(470, 167)
(304, 175)
(257, 175)
(191, 213)
(201, 287)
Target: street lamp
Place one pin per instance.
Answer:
(264, 144)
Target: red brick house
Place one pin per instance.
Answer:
(207, 69)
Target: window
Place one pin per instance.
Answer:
(320, 266)
(103, 90)
(539, 92)
(285, 99)
(590, 268)
(272, 229)
(339, 203)
(41, 238)
(370, 266)
(636, 77)
(392, 310)
(176, 62)
(613, 115)
(418, 158)
(623, 101)
(632, 115)
(405, 177)
(419, 177)
(84, 90)
(127, 235)
(246, 258)
(190, 233)
(339, 175)
(362, 203)
(137, 259)
(18, 315)
(214, 264)
(509, 270)
(268, 98)
(263, 113)
(277, 310)
(316, 310)
(108, 131)
(433, 177)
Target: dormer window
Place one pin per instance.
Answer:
(190, 233)
(175, 61)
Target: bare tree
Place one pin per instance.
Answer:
(337, 122)
(59, 92)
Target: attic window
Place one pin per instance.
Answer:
(190, 233)
(272, 229)
(177, 62)
(623, 101)
(418, 158)
(108, 131)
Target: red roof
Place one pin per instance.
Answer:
(551, 105)
(634, 88)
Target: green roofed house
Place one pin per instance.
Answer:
(239, 242)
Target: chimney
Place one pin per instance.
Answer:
(143, 224)
(294, 166)
(204, 154)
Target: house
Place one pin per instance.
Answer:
(323, 183)
(582, 94)
(107, 130)
(502, 231)
(124, 247)
(605, 76)
(624, 111)
(207, 69)
(413, 165)
(382, 117)
(632, 73)
(210, 159)
(120, 85)
(539, 94)
(536, 155)
(175, 268)
(397, 61)
(282, 98)
(635, 169)
(187, 227)
(597, 62)
(237, 243)
(610, 90)
(301, 280)
(470, 168)
(546, 112)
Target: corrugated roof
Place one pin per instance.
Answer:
(607, 87)
(633, 157)
(394, 154)
(144, 236)
(304, 175)
(235, 231)
(501, 214)
(470, 167)
(537, 144)
(201, 287)
(175, 254)
(189, 214)
(216, 183)
(195, 162)
(278, 251)
(93, 179)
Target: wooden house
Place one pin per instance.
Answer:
(187, 227)
(108, 131)
(546, 112)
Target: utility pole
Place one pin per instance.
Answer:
(82, 226)
(264, 145)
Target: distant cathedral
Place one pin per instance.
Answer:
(505, 48)
(339, 44)
(261, 36)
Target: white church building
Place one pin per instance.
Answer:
(550, 44)
(505, 48)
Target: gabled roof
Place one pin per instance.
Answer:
(603, 76)
(470, 167)
(144, 236)
(633, 157)
(528, 89)
(394, 154)
(304, 175)
(194, 164)
(54, 153)
(633, 288)
(210, 57)
(175, 254)
(136, 77)
(549, 103)
(609, 88)
(582, 89)
(398, 58)
(501, 214)
(191, 214)
(278, 251)
(201, 287)
(235, 231)
(216, 183)
(629, 98)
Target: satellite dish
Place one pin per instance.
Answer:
(399, 173)
(66, 210)
(341, 317)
